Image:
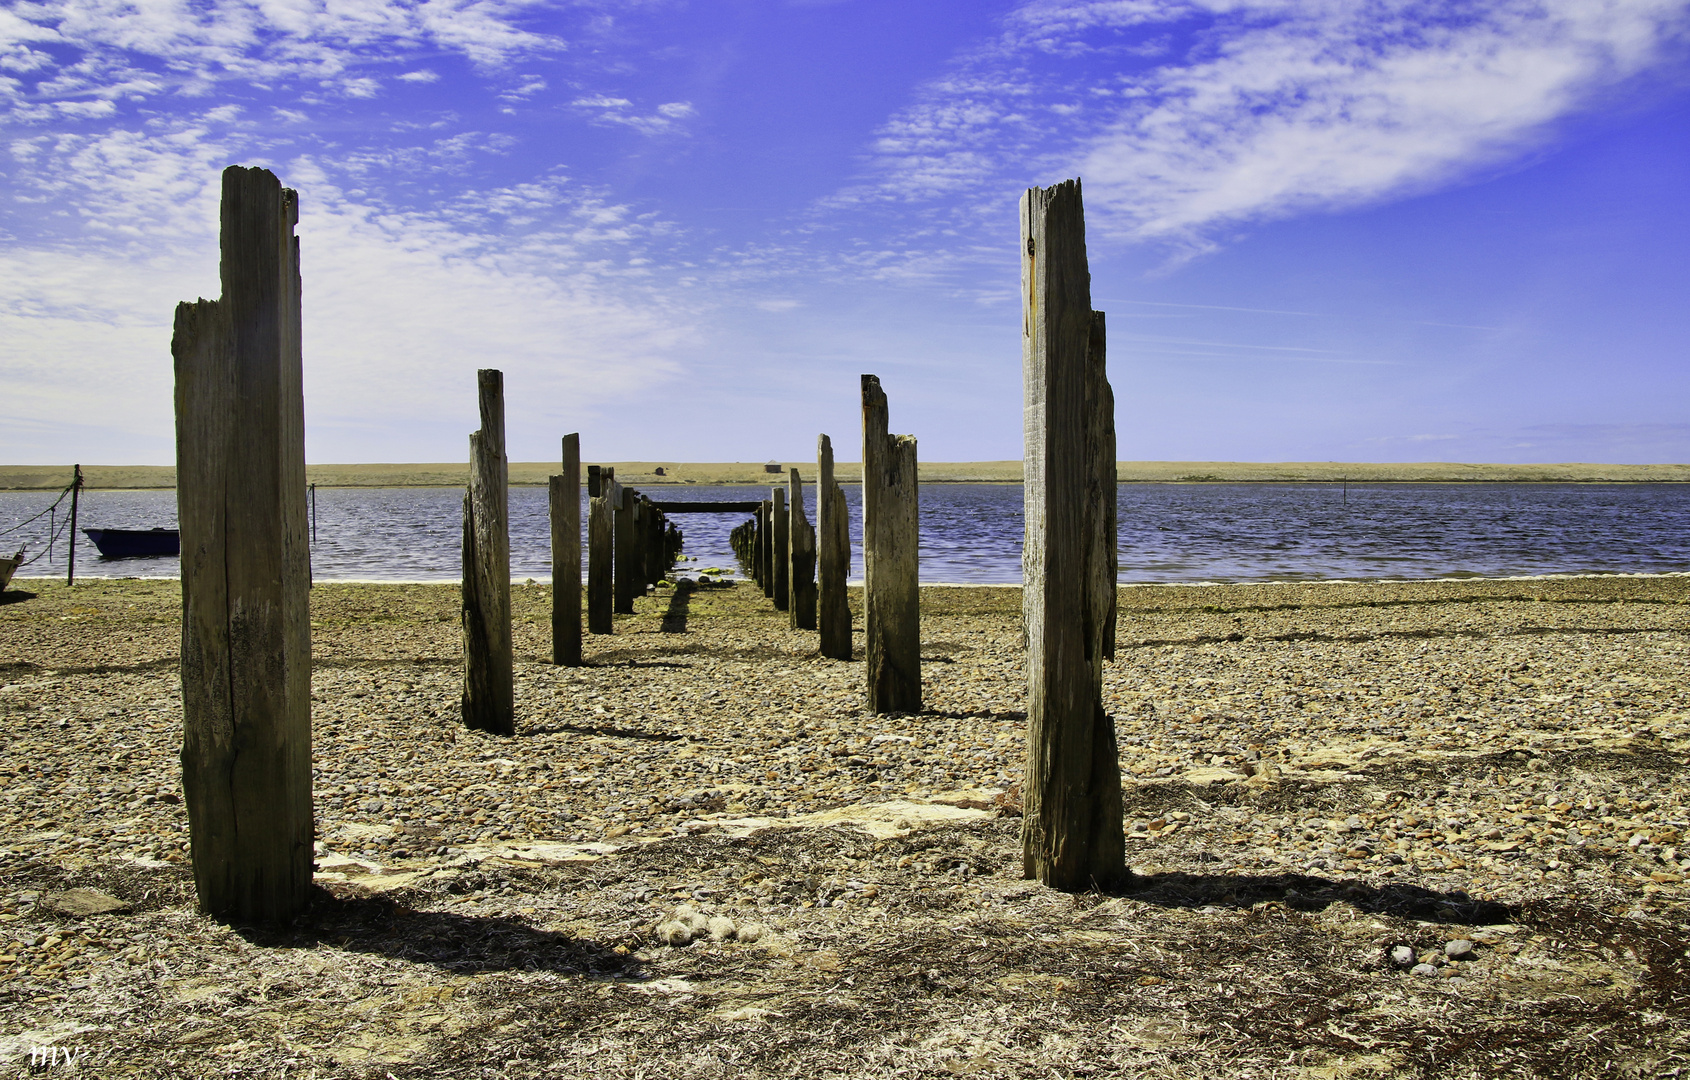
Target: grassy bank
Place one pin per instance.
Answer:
(646, 474)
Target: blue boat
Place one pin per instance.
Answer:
(135, 543)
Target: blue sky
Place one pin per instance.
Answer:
(1322, 230)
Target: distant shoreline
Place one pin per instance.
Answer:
(649, 474)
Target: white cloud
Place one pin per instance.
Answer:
(420, 77)
(552, 283)
(1269, 108)
(664, 120)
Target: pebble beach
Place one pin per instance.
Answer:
(1436, 827)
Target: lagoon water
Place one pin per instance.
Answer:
(971, 533)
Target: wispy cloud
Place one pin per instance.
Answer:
(1186, 117)
(665, 119)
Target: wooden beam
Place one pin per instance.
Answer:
(246, 628)
(1071, 831)
(489, 697)
(622, 508)
(891, 550)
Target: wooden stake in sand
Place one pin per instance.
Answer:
(833, 558)
(891, 547)
(565, 498)
(766, 547)
(1071, 832)
(780, 548)
(600, 530)
(802, 562)
(622, 512)
(489, 699)
(246, 627)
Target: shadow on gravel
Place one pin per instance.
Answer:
(616, 732)
(1307, 893)
(457, 943)
(15, 596)
(675, 618)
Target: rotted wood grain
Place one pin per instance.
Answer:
(246, 638)
(489, 696)
(833, 558)
(1071, 826)
(564, 492)
(891, 553)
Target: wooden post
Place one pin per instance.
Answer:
(1100, 406)
(802, 544)
(766, 546)
(1071, 831)
(246, 628)
(833, 558)
(780, 549)
(600, 532)
(75, 494)
(565, 497)
(489, 698)
(624, 574)
(891, 547)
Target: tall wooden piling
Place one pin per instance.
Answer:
(801, 577)
(1105, 486)
(246, 628)
(833, 558)
(780, 550)
(1071, 832)
(624, 575)
(600, 557)
(766, 547)
(891, 548)
(565, 499)
(489, 698)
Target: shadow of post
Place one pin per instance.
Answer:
(462, 944)
(1306, 892)
(675, 618)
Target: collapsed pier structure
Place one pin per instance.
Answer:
(246, 658)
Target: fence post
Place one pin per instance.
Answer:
(489, 699)
(246, 628)
(600, 531)
(564, 492)
(833, 558)
(1071, 833)
(891, 548)
(802, 544)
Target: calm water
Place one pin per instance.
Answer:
(972, 532)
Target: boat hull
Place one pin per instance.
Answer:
(135, 543)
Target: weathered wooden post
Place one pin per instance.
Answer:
(1071, 833)
(622, 507)
(802, 545)
(833, 558)
(1100, 402)
(565, 496)
(766, 547)
(600, 529)
(246, 627)
(489, 699)
(780, 554)
(891, 549)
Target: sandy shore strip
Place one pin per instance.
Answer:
(1424, 827)
(658, 474)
